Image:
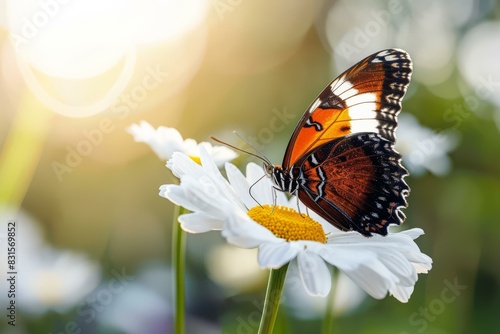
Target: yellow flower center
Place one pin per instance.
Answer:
(195, 159)
(288, 224)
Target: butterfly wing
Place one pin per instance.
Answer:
(365, 98)
(355, 183)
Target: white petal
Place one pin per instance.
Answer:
(401, 293)
(379, 264)
(261, 185)
(197, 196)
(163, 190)
(164, 141)
(346, 258)
(282, 199)
(413, 233)
(181, 165)
(177, 195)
(200, 223)
(241, 231)
(370, 280)
(276, 254)
(363, 267)
(400, 267)
(191, 147)
(314, 273)
(213, 172)
(171, 135)
(239, 184)
(141, 132)
(173, 193)
(423, 267)
(254, 172)
(207, 161)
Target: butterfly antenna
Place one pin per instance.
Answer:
(261, 157)
(252, 146)
(241, 150)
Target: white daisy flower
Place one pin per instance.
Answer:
(165, 141)
(251, 215)
(422, 148)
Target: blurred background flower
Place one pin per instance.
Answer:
(422, 148)
(142, 306)
(347, 296)
(49, 279)
(75, 74)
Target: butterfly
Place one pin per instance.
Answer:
(340, 160)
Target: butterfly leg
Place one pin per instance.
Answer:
(298, 205)
(298, 208)
(275, 199)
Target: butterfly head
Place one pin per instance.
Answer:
(268, 168)
(273, 172)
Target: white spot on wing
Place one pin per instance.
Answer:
(363, 111)
(361, 98)
(314, 106)
(365, 125)
(344, 90)
(335, 82)
(391, 57)
(313, 160)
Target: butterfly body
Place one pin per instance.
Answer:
(340, 161)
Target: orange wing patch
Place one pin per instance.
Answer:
(322, 126)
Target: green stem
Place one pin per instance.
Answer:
(328, 320)
(179, 264)
(21, 150)
(272, 301)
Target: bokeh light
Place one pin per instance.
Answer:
(95, 48)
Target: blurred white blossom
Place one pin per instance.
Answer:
(478, 63)
(48, 278)
(235, 268)
(165, 141)
(347, 296)
(142, 306)
(422, 148)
